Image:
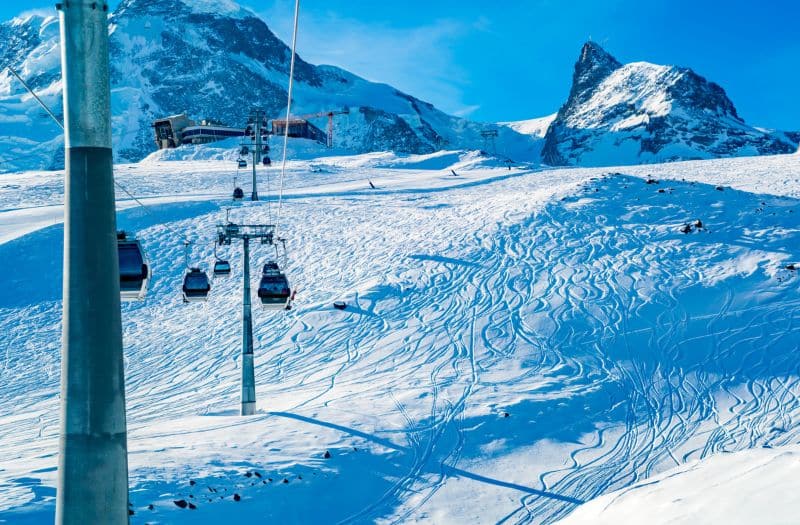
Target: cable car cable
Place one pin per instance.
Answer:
(288, 114)
(61, 125)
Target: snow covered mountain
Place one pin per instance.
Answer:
(217, 60)
(643, 113)
(213, 60)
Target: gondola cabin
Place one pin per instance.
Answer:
(222, 267)
(134, 272)
(273, 290)
(242, 163)
(238, 194)
(267, 161)
(195, 286)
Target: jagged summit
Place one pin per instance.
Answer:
(643, 112)
(593, 65)
(594, 57)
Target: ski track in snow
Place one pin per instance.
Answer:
(619, 346)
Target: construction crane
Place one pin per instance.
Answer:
(329, 114)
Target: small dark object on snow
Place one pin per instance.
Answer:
(326, 455)
(454, 173)
(698, 224)
(370, 184)
(191, 496)
(339, 305)
(355, 449)
(236, 497)
(150, 507)
(651, 181)
(130, 512)
(181, 503)
(506, 414)
(687, 228)
(264, 482)
(661, 190)
(596, 190)
(248, 474)
(719, 188)
(192, 482)
(299, 476)
(791, 266)
(257, 474)
(285, 480)
(192, 506)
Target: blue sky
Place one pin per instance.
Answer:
(512, 60)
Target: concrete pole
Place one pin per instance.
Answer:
(248, 367)
(92, 468)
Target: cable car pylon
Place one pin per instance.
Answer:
(92, 484)
(265, 234)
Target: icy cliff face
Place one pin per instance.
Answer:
(641, 112)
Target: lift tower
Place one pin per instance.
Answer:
(92, 462)
(489, 136)
(257, 127)
(264, 233)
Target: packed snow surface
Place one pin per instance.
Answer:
(516, 342)
(752, 486)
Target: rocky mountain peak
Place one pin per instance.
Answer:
(594, 64)
(643, 112)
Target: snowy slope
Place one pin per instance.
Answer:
(222, 61)
(535, 126)
(517, 343)
(753, 486)
(642, 112)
